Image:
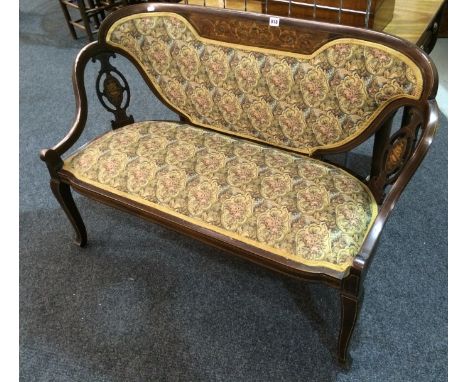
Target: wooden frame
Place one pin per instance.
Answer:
(392, 168)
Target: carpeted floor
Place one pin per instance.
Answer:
(142, 303)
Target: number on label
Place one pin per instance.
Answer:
(274, 21)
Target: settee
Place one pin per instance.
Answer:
(262, 107)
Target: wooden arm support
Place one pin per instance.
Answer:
(400, 179)
(114, 96)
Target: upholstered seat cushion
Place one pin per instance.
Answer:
(293, 206)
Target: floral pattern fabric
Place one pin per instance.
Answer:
(289, 100)
(291, 205)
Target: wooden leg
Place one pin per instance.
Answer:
(85, 19)
(349, 313)
(93, 4)
(68, 19)
(63, 195)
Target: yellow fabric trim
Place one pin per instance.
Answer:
(313, 263)
(309, 151)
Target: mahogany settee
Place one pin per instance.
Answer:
(261, 107)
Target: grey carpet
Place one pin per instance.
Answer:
(142, 303)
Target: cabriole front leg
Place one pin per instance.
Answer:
(63, 194)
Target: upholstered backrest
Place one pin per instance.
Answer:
(302, 102)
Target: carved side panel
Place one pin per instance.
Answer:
(391, 153)
(113, 91)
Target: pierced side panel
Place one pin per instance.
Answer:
(392, 151)
(113, 91)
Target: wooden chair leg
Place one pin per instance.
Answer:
(63, 194)
(349, 313)
(85, 19)
(66, 13)
(93, 4)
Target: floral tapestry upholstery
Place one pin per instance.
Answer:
(293, 206)
(300, 102)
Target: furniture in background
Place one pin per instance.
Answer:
(443, 28)
(245, 169)
(90, 12)
(417, 21)
(374, 14)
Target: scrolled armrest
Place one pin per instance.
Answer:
(81, 114)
